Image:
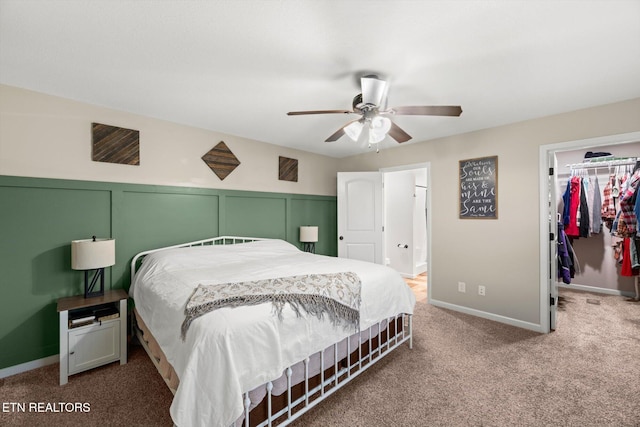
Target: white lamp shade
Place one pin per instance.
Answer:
(381, 124)
(90, 254)
(379, 128)
(354, 130)
(309, 233)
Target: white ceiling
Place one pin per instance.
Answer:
(237, 67)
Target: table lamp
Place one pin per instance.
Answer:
(309, 236)
(93, 254)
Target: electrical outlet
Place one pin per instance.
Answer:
(462, 287)
(481, 290)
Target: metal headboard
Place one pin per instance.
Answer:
(222, 240)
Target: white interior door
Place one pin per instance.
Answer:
(360, 222)
(553, 242)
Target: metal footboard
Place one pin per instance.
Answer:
(341, 372)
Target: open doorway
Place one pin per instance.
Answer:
(383, 217)
(551, 161)
(406, 224)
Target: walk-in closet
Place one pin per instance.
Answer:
(598, 240)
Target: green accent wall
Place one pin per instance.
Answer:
(40, 217)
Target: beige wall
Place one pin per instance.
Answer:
(50, 137)
(47, 136)
(502, 254)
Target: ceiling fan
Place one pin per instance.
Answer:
(375, 122)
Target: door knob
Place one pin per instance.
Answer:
(341, 237)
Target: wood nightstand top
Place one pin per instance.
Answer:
(79, 301)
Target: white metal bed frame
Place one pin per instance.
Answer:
(341, 375)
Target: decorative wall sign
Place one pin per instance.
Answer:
(112, 144)
(221, 160)
(288, 170)
(479, 188)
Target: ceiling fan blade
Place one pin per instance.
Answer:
(398, 134)
(338, 134)
(433, 110)
(373, 89)
(300, 113)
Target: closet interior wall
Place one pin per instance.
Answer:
(597, 268)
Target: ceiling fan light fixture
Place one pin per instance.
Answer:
(374, 125)
(378, 128)
(375, 137)
(381, 124)
(354, 130)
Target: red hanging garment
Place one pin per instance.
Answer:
(572, 228)
(626, 261)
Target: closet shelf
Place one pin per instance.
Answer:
(605, 163)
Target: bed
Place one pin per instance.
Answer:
(247, 365)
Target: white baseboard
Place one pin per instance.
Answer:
(597, 290)
(491, 316)
(28, 366)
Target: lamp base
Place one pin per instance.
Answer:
(309, 247)
(88, 287)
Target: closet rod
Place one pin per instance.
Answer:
(605, 163)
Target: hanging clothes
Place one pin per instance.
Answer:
(571, 228)
(608, 211)
(627, 269)
(636, 209)
(586, 209)
(636, 202)
(596, 217)
(583, 222)
(633, 249)
(565, 261)
(628, 221)
(566, 203)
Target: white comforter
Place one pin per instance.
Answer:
(233, 350)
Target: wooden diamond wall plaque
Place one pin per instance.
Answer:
(112, 144)
(221, 160)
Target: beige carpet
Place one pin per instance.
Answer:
(466, 371)
(463, 371)
(119, 395)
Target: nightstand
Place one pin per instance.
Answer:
(93, 332)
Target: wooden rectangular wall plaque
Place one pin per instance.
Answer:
(288, 169)
(112, 144)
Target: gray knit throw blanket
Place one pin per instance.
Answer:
(336, 295)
